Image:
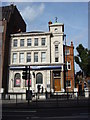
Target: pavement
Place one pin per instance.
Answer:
(47, 103)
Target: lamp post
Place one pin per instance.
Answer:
(66, 64)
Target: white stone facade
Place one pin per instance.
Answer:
(50, 52)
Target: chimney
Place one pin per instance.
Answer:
(49, 23)
(71, 44)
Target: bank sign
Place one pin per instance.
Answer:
(36, 67)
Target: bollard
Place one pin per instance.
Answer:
(86, 93)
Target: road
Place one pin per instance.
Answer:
(47, 114)
(47, 111)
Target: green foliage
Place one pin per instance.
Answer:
(83, 59)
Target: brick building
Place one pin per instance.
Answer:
(10, 22)
(69, 75)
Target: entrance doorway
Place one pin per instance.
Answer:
(57, 84)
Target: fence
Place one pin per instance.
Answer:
(52, 99)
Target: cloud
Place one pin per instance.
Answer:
(31, 12)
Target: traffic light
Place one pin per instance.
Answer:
(24, 73)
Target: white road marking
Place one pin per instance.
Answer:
(63, 117)
(20, 111)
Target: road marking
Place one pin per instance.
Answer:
(19, 111)
(63, 117)
(84, 113)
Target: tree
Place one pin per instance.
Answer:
(78, 77)
(83, 59)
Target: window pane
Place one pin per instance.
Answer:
(28, 57)
(35, 57)
(43, 57)
(56, 47)
(68, 83)
(22, 42)
(15, 43)
(39, 78)
(56, 59)
(69, 65)
(43, 41)
(21, 58)
(67, 51)
(17, 80)
(36, 42)
(57, 74)
(14, 58)
(29, 42)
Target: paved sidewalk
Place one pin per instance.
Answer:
(49, 103)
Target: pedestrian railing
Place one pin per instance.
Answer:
(49, 97)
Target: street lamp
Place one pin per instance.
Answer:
(66, 70)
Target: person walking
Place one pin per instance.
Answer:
(42, 89)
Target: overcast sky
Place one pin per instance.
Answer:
(73, 15)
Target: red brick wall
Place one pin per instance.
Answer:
(70, 73)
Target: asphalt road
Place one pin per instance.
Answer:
(47, 110)
(75, 113)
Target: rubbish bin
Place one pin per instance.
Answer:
(86, 93)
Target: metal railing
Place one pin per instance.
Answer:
(52, 99)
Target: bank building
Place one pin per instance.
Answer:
(38, 50)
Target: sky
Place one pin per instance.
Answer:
(74, 15)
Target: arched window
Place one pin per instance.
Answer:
(17, 80)
(39, 78)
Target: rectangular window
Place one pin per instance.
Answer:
(15, 43)
(43, 56)
(29, 42)
(14, 58)
(67, 52)
(68, 65)
(57, 73)
(28, 57)
(56, 59)
(43, 41)
(56, 48)
(35, 57)
(22, 42)
(68, 83)
(36, 42)
(21, 58)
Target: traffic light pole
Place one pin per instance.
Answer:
(29, 83)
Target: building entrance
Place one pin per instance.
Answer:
(57, 85)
